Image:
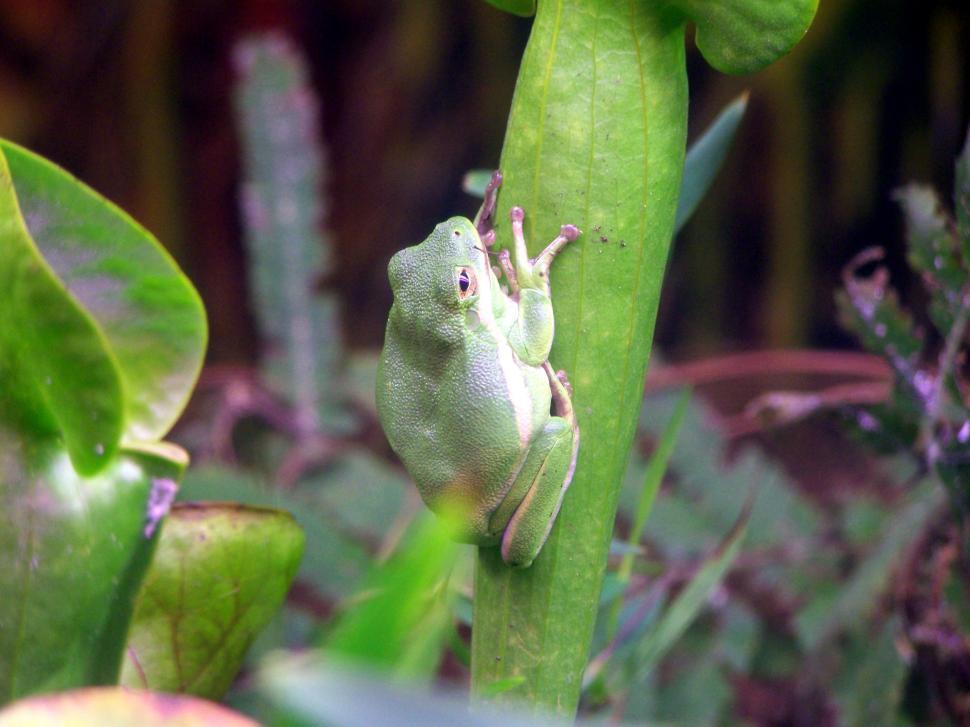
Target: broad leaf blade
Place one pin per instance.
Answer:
(333, 563)
(149, 315)
(220, 574)
(743, 36)
(74, 551)
(58, 373)
(596, 138)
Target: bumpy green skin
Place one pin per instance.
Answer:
(464, 392)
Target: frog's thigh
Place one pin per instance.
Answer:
(548, 462)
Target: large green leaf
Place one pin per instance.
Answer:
(220, 574)
(117, 707)
(74, 551)
(596, 138)
(59, 376)
(145, 311)
(101, 338)
(742, 36)
(333, 562)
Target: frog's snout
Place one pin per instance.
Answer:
(395, 269)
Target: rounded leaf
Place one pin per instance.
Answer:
(743, 36)
(148, 313)
(219, 575)
(74, 550)
(58, 373)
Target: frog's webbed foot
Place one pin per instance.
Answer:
(486, 214)
(542, 261)
(536, 270)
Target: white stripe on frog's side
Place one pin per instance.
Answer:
(518, 393)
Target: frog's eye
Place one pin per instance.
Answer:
(467, 283)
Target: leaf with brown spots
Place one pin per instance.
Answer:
(220, 574)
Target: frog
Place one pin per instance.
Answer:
(465, 392)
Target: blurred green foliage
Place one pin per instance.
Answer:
(811, 621)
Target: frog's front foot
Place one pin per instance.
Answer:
(570, 232)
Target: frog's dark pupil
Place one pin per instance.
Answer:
(463, 281)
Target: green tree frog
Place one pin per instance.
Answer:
(465, 391)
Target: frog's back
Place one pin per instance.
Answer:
(461, 414)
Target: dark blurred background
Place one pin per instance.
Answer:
(134, 97)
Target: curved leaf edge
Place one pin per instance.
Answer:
(735, 53)
(89, 454)
(163, 426)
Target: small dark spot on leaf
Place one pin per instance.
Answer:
(604, 238)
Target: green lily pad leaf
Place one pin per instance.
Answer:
(74, 551)
(118, 707)
(743, 36)
(146, 312)
(58, 375)
(220, 574)
(525, 8)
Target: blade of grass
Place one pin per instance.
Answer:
(656, 469)
(706, 157)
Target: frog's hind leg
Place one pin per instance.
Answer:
(545, 474)
(547, 471)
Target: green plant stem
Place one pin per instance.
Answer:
(596, 138)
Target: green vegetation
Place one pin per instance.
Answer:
(694, 575)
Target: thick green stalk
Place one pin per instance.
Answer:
(596, 138)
